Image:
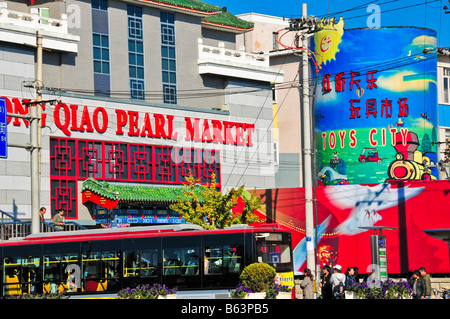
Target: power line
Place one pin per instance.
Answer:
(197, 93)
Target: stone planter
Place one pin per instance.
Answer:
(255, 295)
(349, 295)
(284, 295)
(169, 296)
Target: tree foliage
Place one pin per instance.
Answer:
(208, 207)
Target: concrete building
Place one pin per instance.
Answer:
(140, 93)
(444, 107)
(269, 36)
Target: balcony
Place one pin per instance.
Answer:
(19, 27)
(236, 63)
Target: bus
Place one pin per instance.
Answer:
(101, 262)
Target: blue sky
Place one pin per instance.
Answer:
(412, 13)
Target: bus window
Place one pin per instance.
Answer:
(149, 262)
(273, 249)
(172, 262)
(131, 260)
(189, 260)
(223, 259)
(20, 275)
(232, 259)
(55, 272)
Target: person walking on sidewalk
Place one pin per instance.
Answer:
(419, 289)
(337, 281)
(350, 279)
(307, 285)
(325, 284)
(427, 279)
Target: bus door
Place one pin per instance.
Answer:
(223, 260)
(181, 262)
(275, 249)
(141, 261)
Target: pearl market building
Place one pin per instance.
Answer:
(143, 94)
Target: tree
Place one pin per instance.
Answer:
(251, 203)
(208, 207)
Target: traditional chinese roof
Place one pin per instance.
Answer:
(100, 188)
(195, 6)
(133, 193)
(226, 20)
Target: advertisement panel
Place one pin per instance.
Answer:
(409, 207)
(376, 104)
(3, 130)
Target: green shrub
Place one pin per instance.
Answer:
(258, 276)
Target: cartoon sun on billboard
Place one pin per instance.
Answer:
(327, 39)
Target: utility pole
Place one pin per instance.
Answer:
(307, 26)
(307, 151)
(35, 140)
(34, 117)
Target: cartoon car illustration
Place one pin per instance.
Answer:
(335, 160)
(399, 123)
(369, 154)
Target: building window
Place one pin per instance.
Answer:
(101, 53)
(136, 52)
(446, 85)
(72, 160)
(100, 4)
(168, 58)
(275, 41)
(101, 48)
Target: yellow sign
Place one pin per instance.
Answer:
(285, 279)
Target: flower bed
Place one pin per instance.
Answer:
(147, 292)
(388, 289)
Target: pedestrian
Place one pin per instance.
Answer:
(419, 289)
(307, 285)
(325, 284)
(427, 279)
(350, 279)
(58, 219)
(356, 269)
(337, 281)
(410, 279)
(42, 213)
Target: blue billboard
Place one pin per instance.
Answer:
(3, 130)
(376, 104)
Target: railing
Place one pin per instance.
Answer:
(221, 54)
(32, 20)
(12, 227)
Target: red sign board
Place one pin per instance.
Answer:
(409, 207)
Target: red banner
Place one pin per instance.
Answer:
(410, 207)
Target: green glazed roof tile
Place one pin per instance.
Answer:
(195, 5)
(229, 20)
(131, 193)
(100, 188)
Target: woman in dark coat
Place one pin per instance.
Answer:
(325, 283)
(419, 289)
